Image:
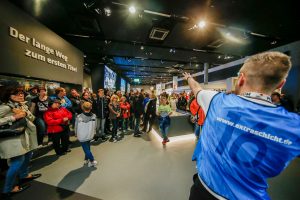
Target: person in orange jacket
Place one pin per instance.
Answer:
(198, 117)
(125, 113)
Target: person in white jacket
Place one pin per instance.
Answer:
(85, 129)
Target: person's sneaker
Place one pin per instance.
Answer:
(86, 162)
(92, 164)
(167, 140)
(115, 139)
(164, 142)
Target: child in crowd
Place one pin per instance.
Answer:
(164, 112)
(85, 129)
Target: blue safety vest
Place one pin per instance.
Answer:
(244, 143)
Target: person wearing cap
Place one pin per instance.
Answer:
(57, 119)
(33, 93)
(246, 139)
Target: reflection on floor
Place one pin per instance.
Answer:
(132, 169)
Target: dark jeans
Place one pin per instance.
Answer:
(86, 146)
(41, 129)
(131, 122)
(149, 120)
(137, 125)
(61, 138)
(18, 167)
(125, 124)
(198, 191)
(115, 127)
(164, 124)
(107, 125)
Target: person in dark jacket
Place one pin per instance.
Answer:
(182, 102)
(131, 118)
(100, 108)
(138, 110)
(39, 106)
(150, 113)
(75, 99)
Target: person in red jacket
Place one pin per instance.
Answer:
(57, 118)
(125, 113)
(198, 114)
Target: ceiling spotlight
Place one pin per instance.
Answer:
(107, 12)
(142, 47)
(132, 9)
(273, 42)
(219, 57)
(172, 51)
(98, 11)
(201, 24)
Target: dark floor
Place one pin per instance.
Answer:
(44, 191)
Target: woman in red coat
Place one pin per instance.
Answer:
(125, 113)
(57, 118)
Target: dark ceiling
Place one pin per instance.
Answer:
(235, 28)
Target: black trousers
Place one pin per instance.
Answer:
(60, 142)
(198, 191)
(149, 120)
(107, 125)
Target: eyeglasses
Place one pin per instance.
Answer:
(18, 93)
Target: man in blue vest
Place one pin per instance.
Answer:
(245, 139)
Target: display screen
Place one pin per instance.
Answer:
(128, 87)
(110, 79)
(123, 85)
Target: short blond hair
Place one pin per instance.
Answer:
(114, 96)
(86, 106)
(265, 71)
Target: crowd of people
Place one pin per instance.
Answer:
(50, 119)
(25, 120)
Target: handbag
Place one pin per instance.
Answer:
(15, 128)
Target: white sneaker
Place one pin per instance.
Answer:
(86, 162)
(92, 164)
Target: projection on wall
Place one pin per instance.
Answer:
(110, 79)
(123, 85)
